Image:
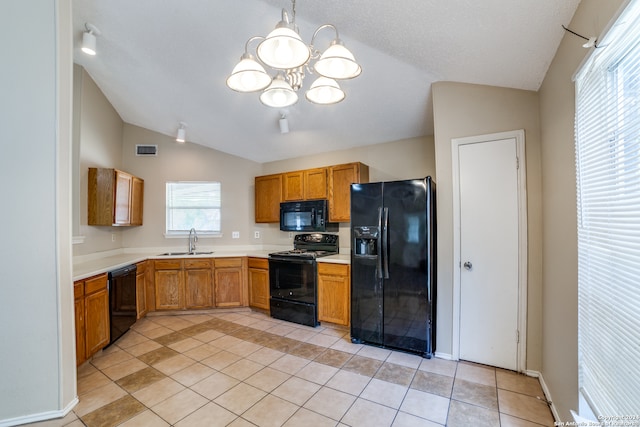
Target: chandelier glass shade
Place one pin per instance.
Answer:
(290, 60)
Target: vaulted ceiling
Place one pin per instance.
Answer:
(164, 62)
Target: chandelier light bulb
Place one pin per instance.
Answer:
(283, 52)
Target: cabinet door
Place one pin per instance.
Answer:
(137, 200)
(81, 346)
(228, 287)
(293, 186)
(122, 213)
(97, 320)
(169, 289)
(315, 183)
(141, 291)
(259, 283)
(198, 288)
(333, 293)
(268, 197)
(340, 179)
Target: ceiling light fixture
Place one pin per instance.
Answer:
(284, 52)
(89, 39)
(284, 123)
(181, 137)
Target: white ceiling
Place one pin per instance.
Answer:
(160, 62)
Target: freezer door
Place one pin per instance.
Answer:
(366, 282)
(406, 292)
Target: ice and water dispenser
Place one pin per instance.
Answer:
(366, 241)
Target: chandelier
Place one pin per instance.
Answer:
(291, 59)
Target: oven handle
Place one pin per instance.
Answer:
(292, 259)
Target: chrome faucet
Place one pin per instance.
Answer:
(193, 238)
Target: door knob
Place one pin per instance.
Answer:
(467, 265)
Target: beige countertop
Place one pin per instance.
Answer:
(97, 264)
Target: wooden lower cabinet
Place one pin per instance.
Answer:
(197, 279)
(141, 290)
(334, 293)
(169, 284)
(229, 282)
(92, 316)
(258, 276)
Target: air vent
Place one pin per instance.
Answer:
(146, 150)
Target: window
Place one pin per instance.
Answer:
(608, 189)
(193, 205)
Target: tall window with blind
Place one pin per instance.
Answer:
(608, 189)
(193, 205)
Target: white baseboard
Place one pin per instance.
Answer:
(545, 390)
(43, 416)
(445, 356)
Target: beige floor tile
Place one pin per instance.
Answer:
(345, 344)
(429, 382)
(464, 415)
(317, 373)
(142, 348)
(198, 318)
(220, 360)
(426, 405)
(370, 414)
(304, 417)
(244, 348)
(202, 352)
(289, 364)
(214, 385)
(363, 365)
(156, 332)
(270, 412)
(240, 398)
(225, 342)
(348, 382)
(407, 420)
(91, 382)
(179, 406)
(242, 369)
(525, 407)
(267, 379)
(159, 391)
(113, 358)
(439, 366)
(158, 355)
(296, 390)
(475, 394)
(140, 379)
(86, 369)
(123, 369)
(98, 398)
(67, 420)
(374, 352)
(193, 374)
(265, 356)
(518, 383)
(185, 345)
(330, 403)
(208, 336)
(114, 413)
(145, 324)
(302, 335)
(173, 322)
(174, 364)
(323, 340)
(397, 374)
(130, 338)
(172, 337)
(404, 359)
(282, 330)
(509, 421)
(263, 325)
(385, 393)
(477, 373)
(145, 419)
(210, 415)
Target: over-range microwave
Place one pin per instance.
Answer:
(308, 215)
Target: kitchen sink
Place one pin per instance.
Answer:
(185, 253)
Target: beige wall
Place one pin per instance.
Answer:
(560, 281)
(465, 110)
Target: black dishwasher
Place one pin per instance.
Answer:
(122, 300)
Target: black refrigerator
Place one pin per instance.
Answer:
(393, 265)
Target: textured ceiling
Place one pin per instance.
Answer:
(163, 62)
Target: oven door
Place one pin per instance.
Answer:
(293, 279)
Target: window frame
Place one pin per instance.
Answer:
(201, 232)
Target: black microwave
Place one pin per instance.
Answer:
(308, 215)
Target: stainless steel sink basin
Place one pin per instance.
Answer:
(185, 253)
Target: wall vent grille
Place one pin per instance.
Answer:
(146, 150)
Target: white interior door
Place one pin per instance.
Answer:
(489, 251)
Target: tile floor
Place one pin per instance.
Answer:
(243, 368)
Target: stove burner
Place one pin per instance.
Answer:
(311, 246)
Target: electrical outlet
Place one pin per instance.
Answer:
(290, 235)
(235, 234)
(256, 234)
(113, 237)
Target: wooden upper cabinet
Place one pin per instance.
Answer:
(268, 195)
(315, 183)
(114, 198)
(340, 179)
(292, 186)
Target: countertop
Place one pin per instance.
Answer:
(100, 263)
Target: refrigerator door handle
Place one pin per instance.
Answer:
(385, 242)
(379, 241)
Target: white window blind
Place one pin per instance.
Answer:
(193, 205)
(608, 187)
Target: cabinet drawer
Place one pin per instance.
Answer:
(333, 269)
(168, 264)
(78, 290)
(141, 267)
(259, 263)
(228, 262)
(95, 284)
(197, 263)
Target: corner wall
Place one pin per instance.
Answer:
(462, 110)
(560, 258)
